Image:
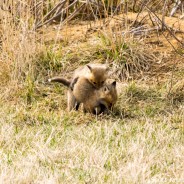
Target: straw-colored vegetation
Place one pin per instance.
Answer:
(141, 141)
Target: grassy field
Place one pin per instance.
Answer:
(141, 141)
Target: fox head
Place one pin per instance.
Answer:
(97, 75)
(109, 94)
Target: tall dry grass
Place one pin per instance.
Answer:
(20, 45)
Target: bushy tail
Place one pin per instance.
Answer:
(60, 80)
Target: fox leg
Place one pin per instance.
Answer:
(72, 102)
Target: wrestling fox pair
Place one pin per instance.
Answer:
(91, 87)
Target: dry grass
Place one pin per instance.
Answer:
(42, 143)
(142, 141)
(176, 92)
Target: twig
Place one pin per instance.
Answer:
(60, 8)
(176, 6)
(96, 4)
(72, 15)
(108, 21)
(163, 14)
(142, 7)
(36, 6)
(175, 62)
(56, 16)
(139, 31)
(151, 20)
(165, 26)
(70, 5)
(46, 16)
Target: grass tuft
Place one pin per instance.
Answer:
(128, 57)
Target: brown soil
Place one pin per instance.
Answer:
(78, 33)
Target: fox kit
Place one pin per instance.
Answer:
(96, 74)
(94, 100)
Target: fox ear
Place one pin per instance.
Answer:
(105, 89)
(114, 83)
(89, 67)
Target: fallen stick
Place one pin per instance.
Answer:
(141, 30)
(56, 16)
(72, 15)
(176, 6)
(182, 43)
(48, 14)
